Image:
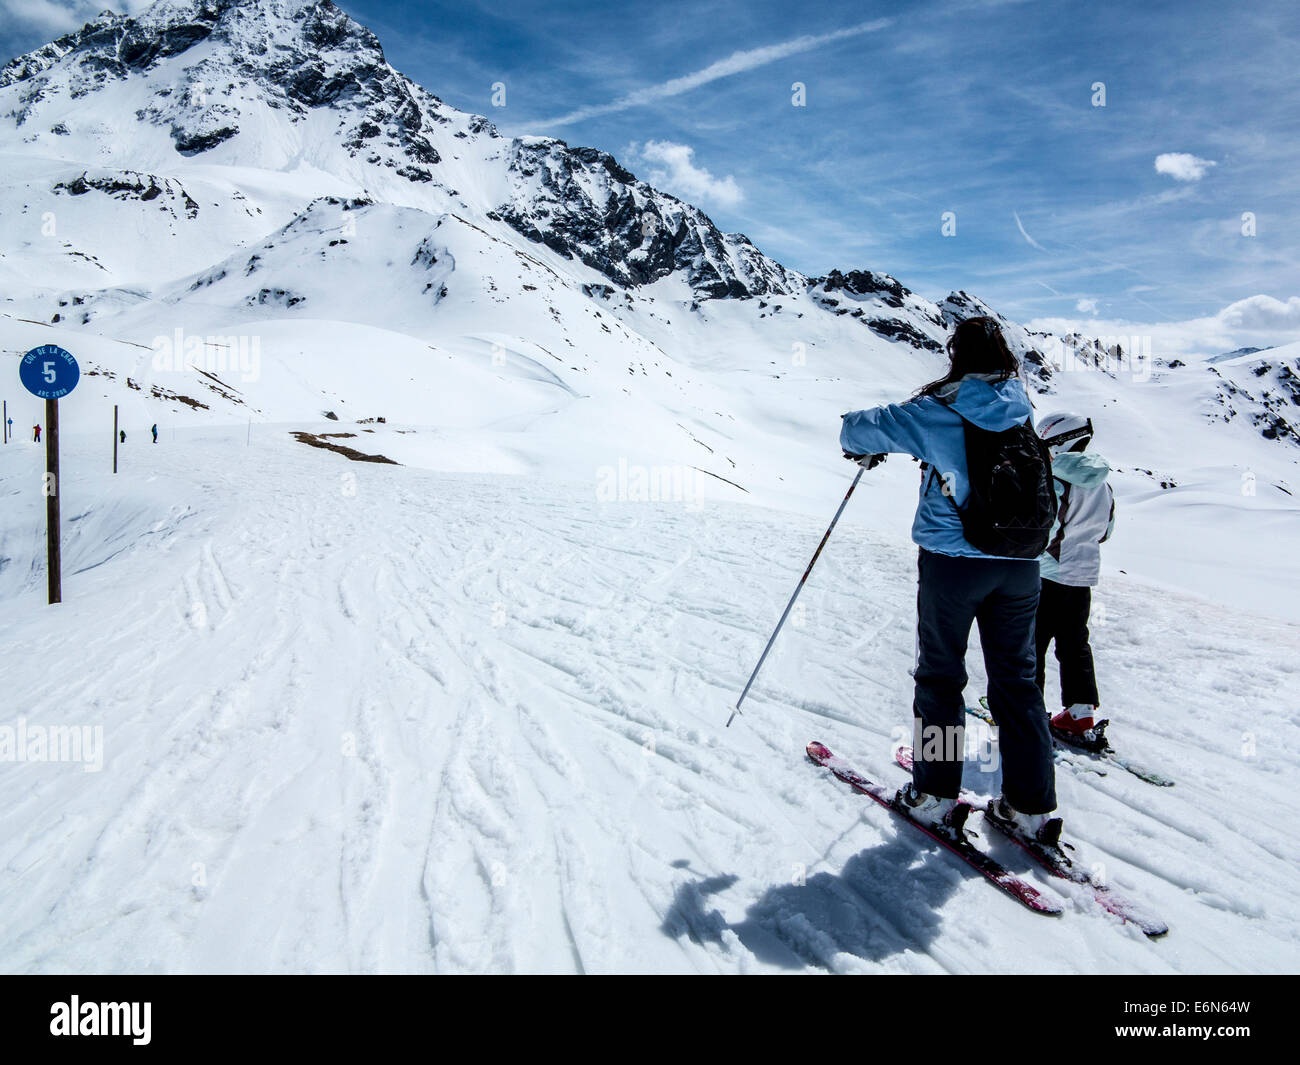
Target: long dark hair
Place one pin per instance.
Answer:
(976, 346)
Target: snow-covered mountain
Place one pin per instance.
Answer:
(617, 429)
(157, 165)
(285, 85)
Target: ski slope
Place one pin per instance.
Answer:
(464, 714)
(374, 718)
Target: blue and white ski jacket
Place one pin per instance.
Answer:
(930, 428)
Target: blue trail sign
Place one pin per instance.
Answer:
(49, 372)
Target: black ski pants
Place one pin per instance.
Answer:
(1063, 616)
(1001, 596)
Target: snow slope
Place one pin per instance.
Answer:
(464, 713)
(377, 718)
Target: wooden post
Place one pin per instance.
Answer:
(6, 421)
(115, 438)
(53, 554)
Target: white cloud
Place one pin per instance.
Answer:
(1183, 167)
(1256, 322)
(736, 63)
(673, 169)
(57, 17)
(1086, 306)
(44, 15)
(1262, 312)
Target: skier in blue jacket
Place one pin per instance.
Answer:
(960, 586)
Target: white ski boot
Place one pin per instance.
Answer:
(1043, 829)
(943, 816)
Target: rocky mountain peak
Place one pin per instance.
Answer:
(583, 204)
(214, 64)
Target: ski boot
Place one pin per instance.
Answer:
(1040, 829)
(946, 817)
(1077, 726)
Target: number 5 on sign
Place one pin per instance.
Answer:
(50, 373)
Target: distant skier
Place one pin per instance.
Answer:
(122, 435)
(154, 430)
(959, 584)
(36, 434)
(1071, 566)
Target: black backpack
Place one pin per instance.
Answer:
(1012, 505)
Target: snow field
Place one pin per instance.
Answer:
(368, 718)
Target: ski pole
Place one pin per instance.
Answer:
(798, 588)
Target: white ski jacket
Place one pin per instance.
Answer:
(1084, 521)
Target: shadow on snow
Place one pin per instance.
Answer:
(885, 901)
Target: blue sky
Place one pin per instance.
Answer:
(983, 109)
(915, 109)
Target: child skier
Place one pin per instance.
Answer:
(960, 585)
(1070, 568)
(154, 430)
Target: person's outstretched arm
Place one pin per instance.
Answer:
(896, 427)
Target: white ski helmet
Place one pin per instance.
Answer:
(1063, 431)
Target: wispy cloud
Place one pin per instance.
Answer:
(1183, 167)
(1020, 226)
(672, 167)
(60, 16)
(39, 14)
(736, 63)
(28, 24)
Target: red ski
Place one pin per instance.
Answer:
(1058, 863)
(977, 859)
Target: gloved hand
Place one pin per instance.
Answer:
(867, 462)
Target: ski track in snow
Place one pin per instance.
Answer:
(448, 723)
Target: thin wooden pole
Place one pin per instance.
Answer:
(115, 438)
(54, 560)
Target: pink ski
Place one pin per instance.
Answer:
(977, 859)
(1058, 863)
